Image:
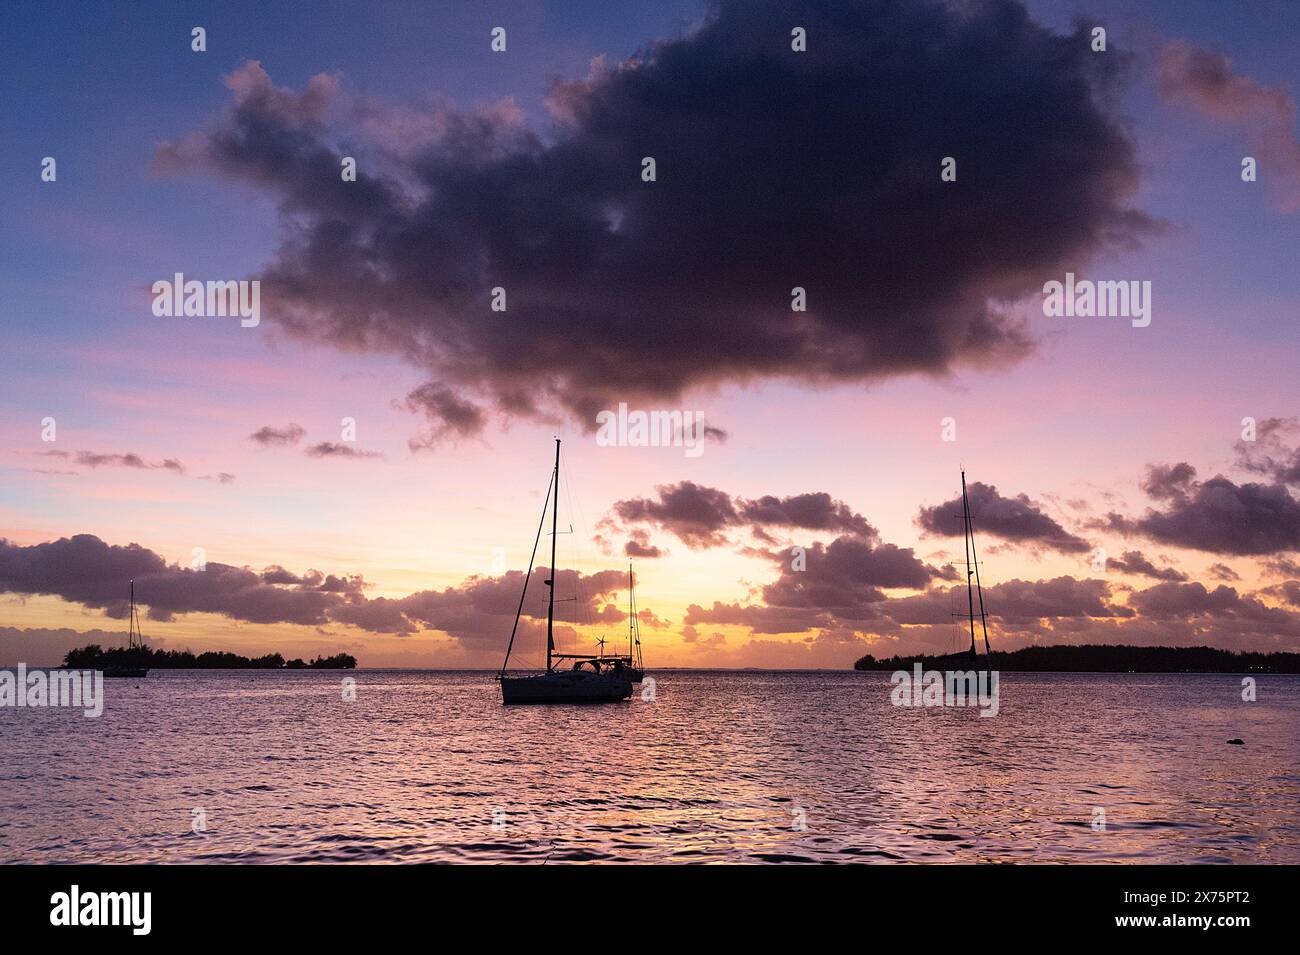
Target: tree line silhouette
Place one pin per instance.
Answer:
(1098, 658)
(94, 657)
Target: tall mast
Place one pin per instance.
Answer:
(523, 592)
(550, 607)
(966, 540)
(984, 617)
(631, 610)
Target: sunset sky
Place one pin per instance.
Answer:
(1114, 497)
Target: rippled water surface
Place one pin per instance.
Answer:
(743, 767)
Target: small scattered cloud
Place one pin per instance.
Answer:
(1135, 562)
(1281, 567)
(1207, 82)
(450, 416)
(272, 437)
(1275, 452)
(638, 545)
(334, 449)
(95, 460)
(1223, 572)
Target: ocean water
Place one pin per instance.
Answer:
(720, 767)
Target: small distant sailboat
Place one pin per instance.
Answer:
(635, 664)
(593, 678)
(134, 644)
(631, 661)
(973, 588)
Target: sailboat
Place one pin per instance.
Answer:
(973, 589)
(593, 678)
(631, 661)
(636, 666)
(134, 644)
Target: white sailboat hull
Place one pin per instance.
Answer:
(566, 686)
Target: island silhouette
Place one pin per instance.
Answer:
(1098, 658)
(94, 657)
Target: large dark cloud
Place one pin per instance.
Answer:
(1012, 602)
(775, 169)
(846, 575)
(1061, 610)
(1288, 591)
(1181, 599)
(1016, 519)
(700, 515)
(1217, 516)
(841, 592)
(480, 611)
(84, 569)
(842, 603)
(825, 586)
(760, 618)
(816, 511)
(1221, 612)
(696, 514)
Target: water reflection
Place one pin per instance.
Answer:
(743, 767)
